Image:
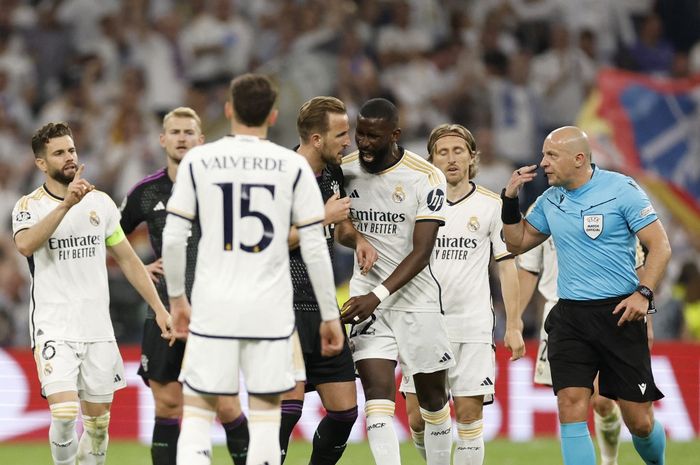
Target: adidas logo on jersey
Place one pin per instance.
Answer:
(487, 382)
(354, 194)
(159, 206)
(445, 357)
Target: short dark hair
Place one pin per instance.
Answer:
(253, 96)
(313, 115)
(380, 108)
(47, 132)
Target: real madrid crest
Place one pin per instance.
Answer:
(48, 369)
(94, 219)
(473, 224)
(399, 195)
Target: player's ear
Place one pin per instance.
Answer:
(40, 163)
(228, 109)
(272, 117)
(395, 134)
(316, 140)
(161, 139)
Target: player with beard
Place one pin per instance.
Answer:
(324, 135)
(396, 310)
(160, 363)
(65, 228)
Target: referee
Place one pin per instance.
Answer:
(599, 323)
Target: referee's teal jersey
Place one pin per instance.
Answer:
(594, 228)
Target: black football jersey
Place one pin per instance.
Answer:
(147, 202)
(329, 181)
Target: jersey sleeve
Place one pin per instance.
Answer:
(498, 245)
(183, 200)
(23, 216)
(114, 233)
(431, 198)
(307, 203)
(130, 211)
(532, 259)
(536, 217)
(636, 206)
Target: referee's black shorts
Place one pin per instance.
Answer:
(320, 369)
(159, 361)
(584, 339)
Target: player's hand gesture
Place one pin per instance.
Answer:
(180, 310)
(635, 308)
(366, 254)
(155, 270)
(518, 178)
(165, 323)
(359, 308)
(332, 338)
(78, 188)
(337, 209)
(513, 341)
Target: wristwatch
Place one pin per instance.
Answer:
(649, 294)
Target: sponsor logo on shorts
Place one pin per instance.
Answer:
(205, 453)
(117, 378)
(445, 357)
(144, 362)
(48, 369)
(487, 382)
(642, 387)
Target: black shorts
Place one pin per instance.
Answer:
(584, 339)
(320, 369)
(159, 361)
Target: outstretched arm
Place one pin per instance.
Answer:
(424, 234)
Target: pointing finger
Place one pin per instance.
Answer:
(79, 172)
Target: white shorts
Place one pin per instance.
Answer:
(473, 375)
(543, 374)
(211, 366)
(418, 340)
(92, 369)
(298, 359)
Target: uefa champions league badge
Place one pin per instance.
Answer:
(473, 224)
(399, 195)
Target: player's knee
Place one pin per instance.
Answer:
(168, 407)
(602, 405)
(63, 417)
(228, 411)
(641, 426)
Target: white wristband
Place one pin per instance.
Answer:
(381, 292)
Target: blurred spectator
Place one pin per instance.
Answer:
(688, 291)
(652, 53)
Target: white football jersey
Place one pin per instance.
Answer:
(69, 291)
(385, 207)
(244, 192)
(542, 260)
(472, 233)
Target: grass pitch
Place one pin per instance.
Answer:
(498, 452)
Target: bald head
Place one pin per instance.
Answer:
(570, 139)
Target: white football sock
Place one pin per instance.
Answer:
(419, 441)
(194, 443)
(264, 430)
(438, 435)
(470, 443)
(607, 434)
(62, 435)
(92, 449)
(381, 433)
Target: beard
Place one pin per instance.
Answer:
(379, 159)
(61, 176)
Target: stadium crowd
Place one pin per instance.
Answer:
(510, 70)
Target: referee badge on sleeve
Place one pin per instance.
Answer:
(593, 225)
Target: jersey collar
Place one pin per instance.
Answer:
(51, 194)
(465, 197)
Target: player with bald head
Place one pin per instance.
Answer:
(599, 324)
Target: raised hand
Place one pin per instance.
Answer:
(337, 209)
(519, 178)
(78, 188)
